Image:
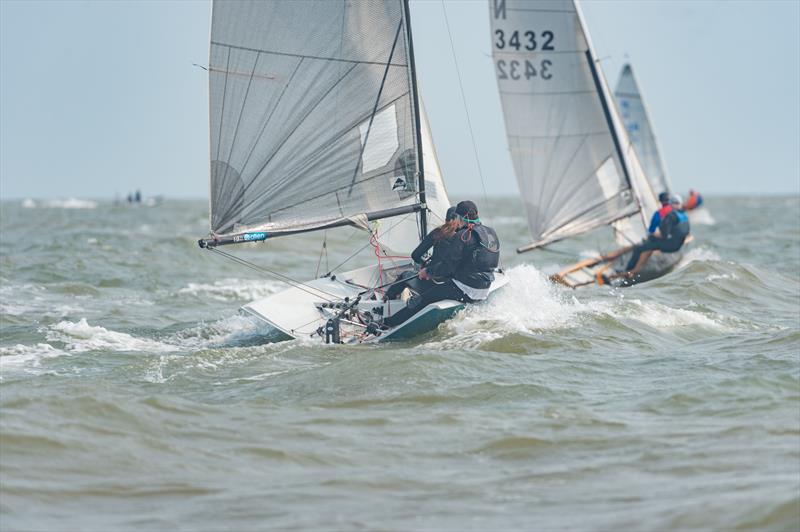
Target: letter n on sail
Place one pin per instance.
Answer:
(500, 9)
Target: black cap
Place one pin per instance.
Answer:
(468, 209)
(663, 197)
(451, 214)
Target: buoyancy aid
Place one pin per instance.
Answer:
(486, 255)
(674, 225)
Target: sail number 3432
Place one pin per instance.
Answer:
(529, 41)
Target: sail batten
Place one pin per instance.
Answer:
(313, 115)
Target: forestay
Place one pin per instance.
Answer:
(569, 150)
(640, 132)
(312, 114)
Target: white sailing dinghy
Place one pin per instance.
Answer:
(315, 123)
(575, 165)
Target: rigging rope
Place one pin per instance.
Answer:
(464, 102)
(286, 279)
(324, 250)
(365, 246)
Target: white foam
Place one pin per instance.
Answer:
(698, 254)
(661, 316)
(234, 289)
(29, 203)
(532, 305)
(227, 331)
(721, 276)
(70, 203)
(529, 304)
(27, 355)
(81, 336)
(701, 216)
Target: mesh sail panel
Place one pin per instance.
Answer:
(559, 124)
(400, 235)
(311, 113)
(640, 133)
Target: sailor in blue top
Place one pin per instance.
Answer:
(668, 230)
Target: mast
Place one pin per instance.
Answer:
(423, 216)
(607, 113)
(605, 97)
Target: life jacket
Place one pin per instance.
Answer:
(486, 255)
(664, 211)
(674, 225)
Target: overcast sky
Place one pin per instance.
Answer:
(99, 98)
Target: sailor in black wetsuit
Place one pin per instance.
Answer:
(436, 239)
(461, 265)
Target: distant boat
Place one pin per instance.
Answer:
(316, 124)
(575, 165)
(640, 131)
(641, 134)
(149, 201)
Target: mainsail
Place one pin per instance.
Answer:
(640, 131)
(575, 168)
(313, 115)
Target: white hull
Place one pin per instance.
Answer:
(304, 310)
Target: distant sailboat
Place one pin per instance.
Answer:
(575, 166)
(640, 131)
(316, 124)
(642, 136)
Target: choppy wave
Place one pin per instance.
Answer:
(79, 337)
(532, 305)
(121, 350)
(698, 254)
(234, 289)
(27, 355)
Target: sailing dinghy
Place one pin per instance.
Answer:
(637, 122)
(636, 118)
(576, 167)
(316, 123)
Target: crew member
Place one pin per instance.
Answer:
(669, 228)
(460, 267)
(693, 201)
(440, 240)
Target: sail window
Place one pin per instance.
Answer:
(379, 140)
(609, 178)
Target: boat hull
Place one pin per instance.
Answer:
(304, 310)
(589, 272)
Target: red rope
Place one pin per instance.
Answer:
(373, 240)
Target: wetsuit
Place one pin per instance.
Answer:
(674, 227)
(441, 248)
(455, 274)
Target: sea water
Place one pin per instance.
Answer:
(133, 396)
